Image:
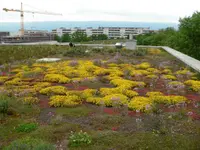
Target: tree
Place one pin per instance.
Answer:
(79, 36)
(57, 38)
(102, 37)
(94, 37)
(186, 39)
(66, 38)
(190, 29)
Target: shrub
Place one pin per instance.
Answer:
(76, 51)
(27, 127)
(140, 52)
(153, 51)
(29, 144)
(31, 100)
(4, 104)
(77, 139)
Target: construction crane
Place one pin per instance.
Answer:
(22, 11)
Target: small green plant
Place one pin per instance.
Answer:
(4, 105)
(29, 144)
(76, 51)
(140, 52)
(27, 127)
(156, 109)
(78, 139)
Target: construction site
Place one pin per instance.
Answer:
(26, 36)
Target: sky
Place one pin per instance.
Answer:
(101, 10)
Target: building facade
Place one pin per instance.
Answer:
(111, 32)
(2, 34)
(29, 36)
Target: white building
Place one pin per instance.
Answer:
(111, 32)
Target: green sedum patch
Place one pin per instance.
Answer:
(27, 127)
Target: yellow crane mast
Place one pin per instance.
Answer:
(22, 11)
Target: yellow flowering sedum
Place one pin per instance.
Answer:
(140, 73)
(112, 77)
(176, 83)
(56, 78)
(127, 84)
(152, 76)
(17, 70)
(143, 65)
(130, 93)
(153, 70)
(78, 93)
(78, 71)
(88, 93)
(23, 87)
(64, 101)
(31, 100)
(25, 68)
(15, 81)
(108, 91)
(139, 103)
(3, 79)
(194, 85)
(37, 70)
(153, 51)
(151, 94)
(54, 90)
(168, 99)
(169, 77)
(101, 71)
(95, 100)
(40, 85)
(167, 71)
(185, 72)
(109, 100)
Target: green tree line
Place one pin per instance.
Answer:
(185, 39)
(79, 36)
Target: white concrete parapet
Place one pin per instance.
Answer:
(193, 63)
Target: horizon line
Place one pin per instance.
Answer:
(88, 21)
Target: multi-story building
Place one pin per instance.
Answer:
(29, 36)
(111, 32)
(3, 34)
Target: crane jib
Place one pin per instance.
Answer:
(27, 11)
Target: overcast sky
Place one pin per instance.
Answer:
(102, 10)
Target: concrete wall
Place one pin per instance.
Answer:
(193, 63)
(190, 61)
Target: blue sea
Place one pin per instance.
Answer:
(49, 25)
